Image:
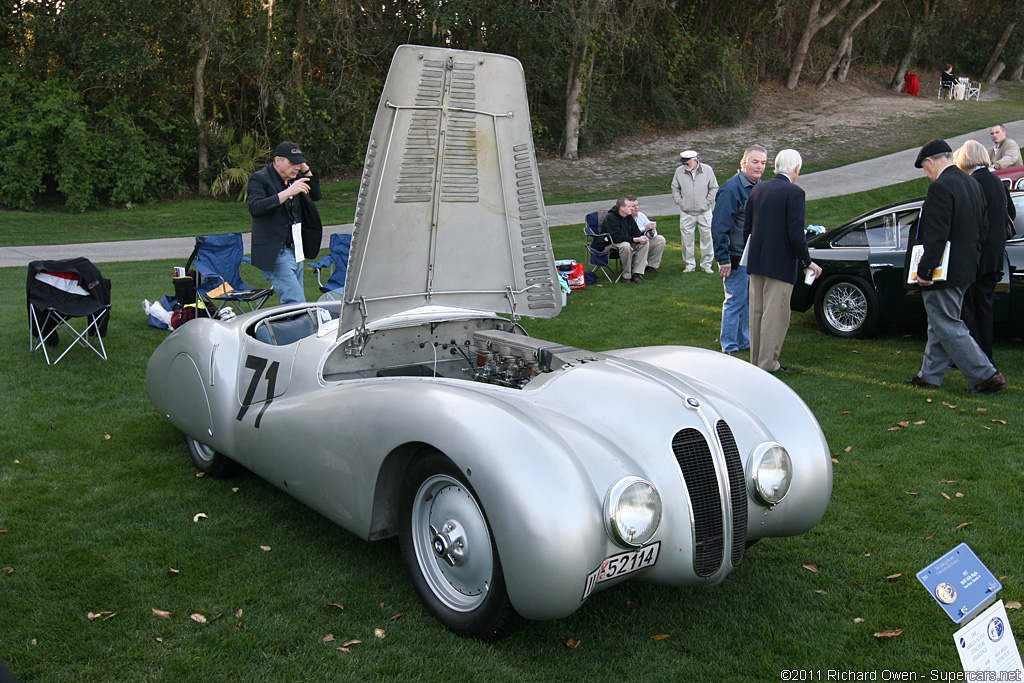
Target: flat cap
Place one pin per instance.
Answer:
(930, 149)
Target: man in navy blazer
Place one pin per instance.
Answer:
(281, 196)
(776, 254)
(954, 212)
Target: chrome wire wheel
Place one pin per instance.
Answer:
(845, 307)
(452, 543)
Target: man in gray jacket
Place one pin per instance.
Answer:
(693, 188)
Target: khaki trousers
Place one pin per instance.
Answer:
(769, 320)
(633, 257)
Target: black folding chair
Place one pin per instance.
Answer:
(60, 291)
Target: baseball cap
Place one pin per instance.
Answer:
(291, 152)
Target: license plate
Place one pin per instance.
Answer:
(622, 564)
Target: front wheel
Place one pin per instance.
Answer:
(449, 551)
(847, 308)
(208, 460)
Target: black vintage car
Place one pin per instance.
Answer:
(861, 284)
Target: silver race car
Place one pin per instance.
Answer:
(418, 406)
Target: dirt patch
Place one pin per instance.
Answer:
(851, 118)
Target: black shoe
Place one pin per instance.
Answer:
(916, 381)
(783, 368)
(652, 270)
(990, 386)
(638, 278)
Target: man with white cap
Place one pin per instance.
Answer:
(693, 188)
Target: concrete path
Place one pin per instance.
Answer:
(863, 175)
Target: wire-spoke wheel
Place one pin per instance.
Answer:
(450, 553)
(847, 308)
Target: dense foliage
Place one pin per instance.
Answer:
(122, 101)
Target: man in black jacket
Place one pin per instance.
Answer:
(954, 212)
(281, 196)
(626, 237)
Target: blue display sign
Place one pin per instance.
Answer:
(960, 583)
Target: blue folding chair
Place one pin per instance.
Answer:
(600, 250)
(217, 258)
(337, 260)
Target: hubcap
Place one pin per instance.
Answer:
(205, 452)
(452, 543)
(845, 307)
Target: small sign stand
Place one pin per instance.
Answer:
(966, 590)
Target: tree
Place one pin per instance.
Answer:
(919, 29)
(815, 22)
(844, 52)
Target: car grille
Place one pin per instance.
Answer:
(697, 465)
(737, 491)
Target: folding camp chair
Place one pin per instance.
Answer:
(600, 250)
(337, 260)
(58, 292)
(217, 259)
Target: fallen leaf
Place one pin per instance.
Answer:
(858, 620)
(880, 465)
(397, 616)
(986, 427)
(928, 537)
(201, 515)
(8, 570)
(238, 614)
(889, 634)
(106, 437)
(200, 474)
(163, 614)
(835, 461)
(848, 449)
(344, 649)
(99, 615)
(895, 429)
(17, 462)
(903, 423)
(919, 422)
(927, 400)
(633, 606)
(336, 604)
(963, 526)
(660, 636)
(867, 395)
(982, 410)
(854, 351)
(846, 412)
(1002, 422)
(3, 531)
(172, 570)
(213, 619)
(265, 548)
(893, 577)
(352, 642)
(198, 618)
(1012, 604)
(949, 405)
(32, 642)
(867, 554)
(947, 481)
(159, 640)
(239, 627)
(379, 633)
(234, 490)
(958, 494)
(329, 638)
(912, 493)
(946, 496)
(809, 566)
(821, 592)
(572, 642)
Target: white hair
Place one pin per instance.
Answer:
(788, 161)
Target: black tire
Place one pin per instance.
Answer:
(210, 461)
(450, 553)
(847, 307)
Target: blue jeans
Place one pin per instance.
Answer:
(735, 334)
(286, 277)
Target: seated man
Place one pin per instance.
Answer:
(1005, 152)
(627, 239)
(656, 243)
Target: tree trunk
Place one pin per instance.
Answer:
(1018, 71)
(300, 46)
(986, 75)
(578, 68)
(844, 63)
(997, 71)
(846, 44)
(199, 94)
(815, 23)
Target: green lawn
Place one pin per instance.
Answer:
(98, 496)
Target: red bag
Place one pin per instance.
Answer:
(577, 277)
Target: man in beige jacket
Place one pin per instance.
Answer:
(1005, 152)
(693, 188)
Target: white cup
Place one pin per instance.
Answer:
(808, 276)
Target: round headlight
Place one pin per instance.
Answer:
(632, 511)
(772, 473)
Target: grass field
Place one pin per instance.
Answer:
(98, 497)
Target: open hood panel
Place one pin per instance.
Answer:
(450, 211)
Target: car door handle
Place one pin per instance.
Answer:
(882, 265)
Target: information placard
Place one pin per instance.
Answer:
(987, 644)
(960, 583)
